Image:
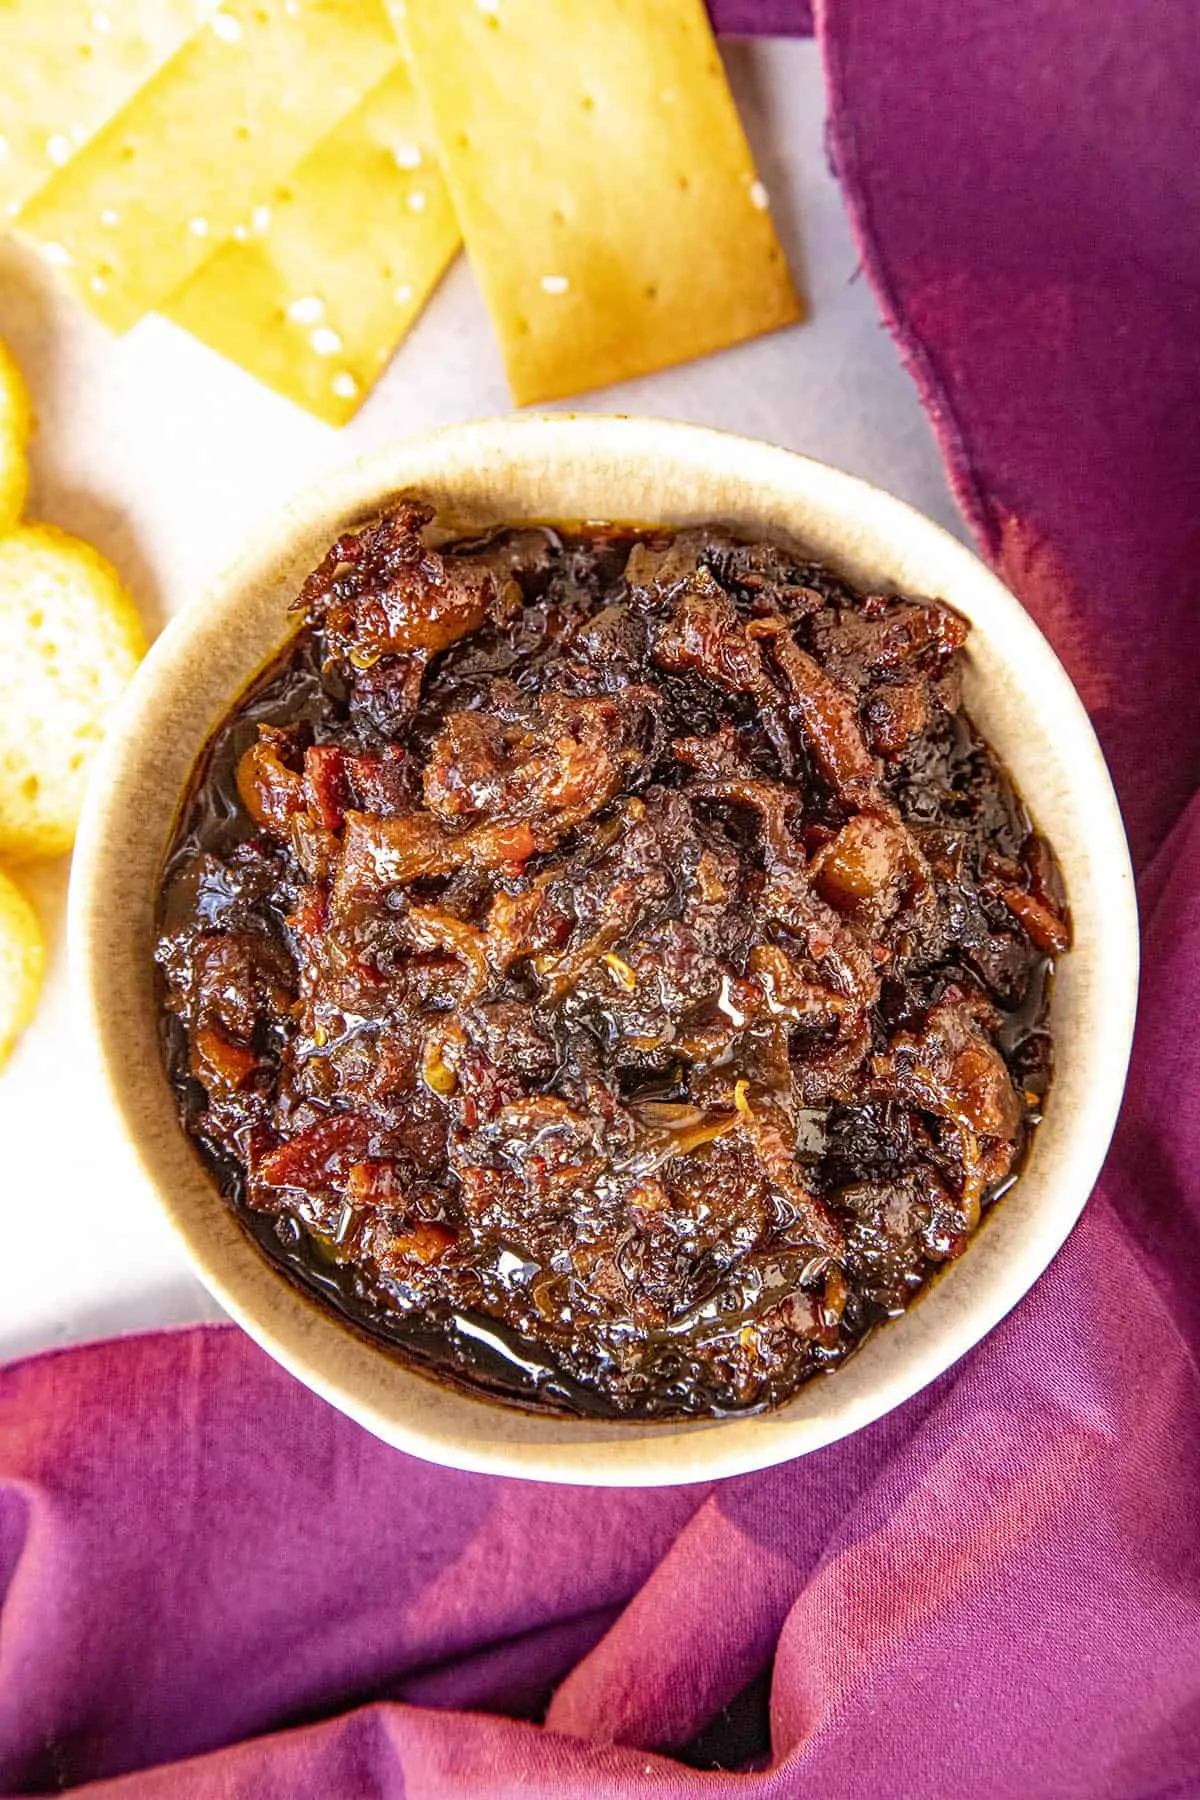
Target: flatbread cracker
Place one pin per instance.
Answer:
(16, 426)
(603, 184)
(69, 65)
(22, 961)
(70, 639)
(358, 237)
(134, 215)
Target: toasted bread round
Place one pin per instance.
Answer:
(16, 425)
(22, 958)
(70, 638)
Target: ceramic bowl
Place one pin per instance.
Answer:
(639, 470)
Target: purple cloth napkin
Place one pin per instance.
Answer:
(213, 1585)
(761, 18)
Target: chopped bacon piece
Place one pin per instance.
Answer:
(382, 781)
(950, 1068)
(829, 721)
(381, 592)
(219, 1063)
(555, 763)
(320, 1157)
(424, 1242)
(326, 789)
(272, 793)
(1045, 929)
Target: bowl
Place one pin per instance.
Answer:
(619, 470)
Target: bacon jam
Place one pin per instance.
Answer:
(608, 968)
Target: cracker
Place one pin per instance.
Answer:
(22, 962)
(70, 639)
(134, 215)
(69, 65)
(603, 184)
(16, 426)
(359, 236)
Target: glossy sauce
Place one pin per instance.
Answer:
(600, 1307)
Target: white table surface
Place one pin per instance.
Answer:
(165, 457)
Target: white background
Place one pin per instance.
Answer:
(165, 457)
